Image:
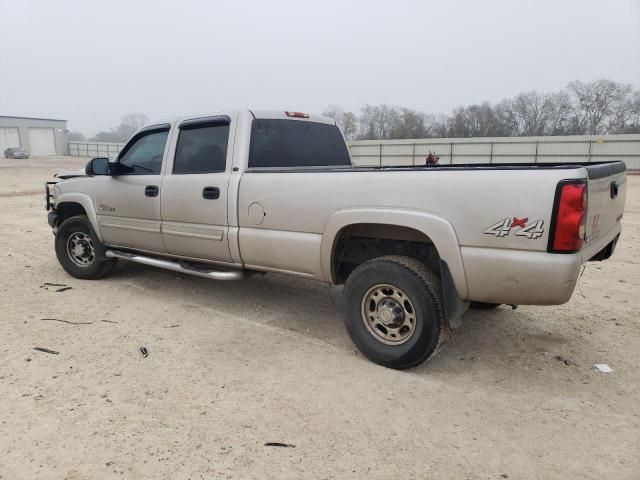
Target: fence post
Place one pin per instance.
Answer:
(590, 143)
(535, 160)
(451, 151)
(491, 154)
(380, 156)
(413, 153)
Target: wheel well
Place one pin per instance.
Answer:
(69, 209)
(358, 243)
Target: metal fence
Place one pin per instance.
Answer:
(94, 149)
(582, 148)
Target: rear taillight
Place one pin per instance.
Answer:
(569, 217)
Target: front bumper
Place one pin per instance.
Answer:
(52, 219)
(52, 214)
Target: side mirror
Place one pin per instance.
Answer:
(97, 166)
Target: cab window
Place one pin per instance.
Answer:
(202, 147)
(143, 156)
(295, 143)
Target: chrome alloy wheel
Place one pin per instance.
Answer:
(388, 314)
(80, 249)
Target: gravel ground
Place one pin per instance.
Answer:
(232, 366)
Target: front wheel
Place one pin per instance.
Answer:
(80, 252)
(394, 312)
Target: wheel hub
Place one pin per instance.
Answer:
(388, 314)
(80, 249)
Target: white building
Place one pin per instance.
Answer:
(38, 136)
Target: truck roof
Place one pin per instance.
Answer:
(258, 114)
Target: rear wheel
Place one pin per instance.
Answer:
(80, 252)
(394, 312)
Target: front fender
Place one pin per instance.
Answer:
(436, 228)
(86, 202)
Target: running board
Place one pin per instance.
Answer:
(177, 267)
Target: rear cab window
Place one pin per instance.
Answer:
(287, 143)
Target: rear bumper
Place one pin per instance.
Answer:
(525, 277)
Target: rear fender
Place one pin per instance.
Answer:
(436, 228)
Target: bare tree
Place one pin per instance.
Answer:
(533, 112)
(475, 121)
(634, 121)
(624, 109)
(347, 121)
(596, 107)
(410, 124)
(108, 137)
(559, 120)
(129, 124)
(75, 137)
(507, 117)
(435, 125)
(594, 101)
(378, 121)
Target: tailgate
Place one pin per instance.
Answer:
(606, 189)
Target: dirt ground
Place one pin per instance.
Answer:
(232, 366)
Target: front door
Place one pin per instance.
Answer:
(194, 192)
(128, 201)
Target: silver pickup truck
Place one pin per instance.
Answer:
(230, 194)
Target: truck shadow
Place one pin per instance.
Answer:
(488, 343)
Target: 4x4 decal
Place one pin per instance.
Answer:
(522, 226)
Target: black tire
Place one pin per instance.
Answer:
(97, 266)
(412, 280)
(483, 305)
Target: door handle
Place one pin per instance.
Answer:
(210, 193)
(151, 190)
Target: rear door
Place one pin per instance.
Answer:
(606, 190)
(194, 190)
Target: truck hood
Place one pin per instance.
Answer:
(76, 173)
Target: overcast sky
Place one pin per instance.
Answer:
(91, 62)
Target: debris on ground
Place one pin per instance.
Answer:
(278, 444)
(109, 321)
(602, 367)
(560, 358)
(63, 289)
(48, 284)
(65, 321)
(46, 350)
(172, 326)
(144, 352)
